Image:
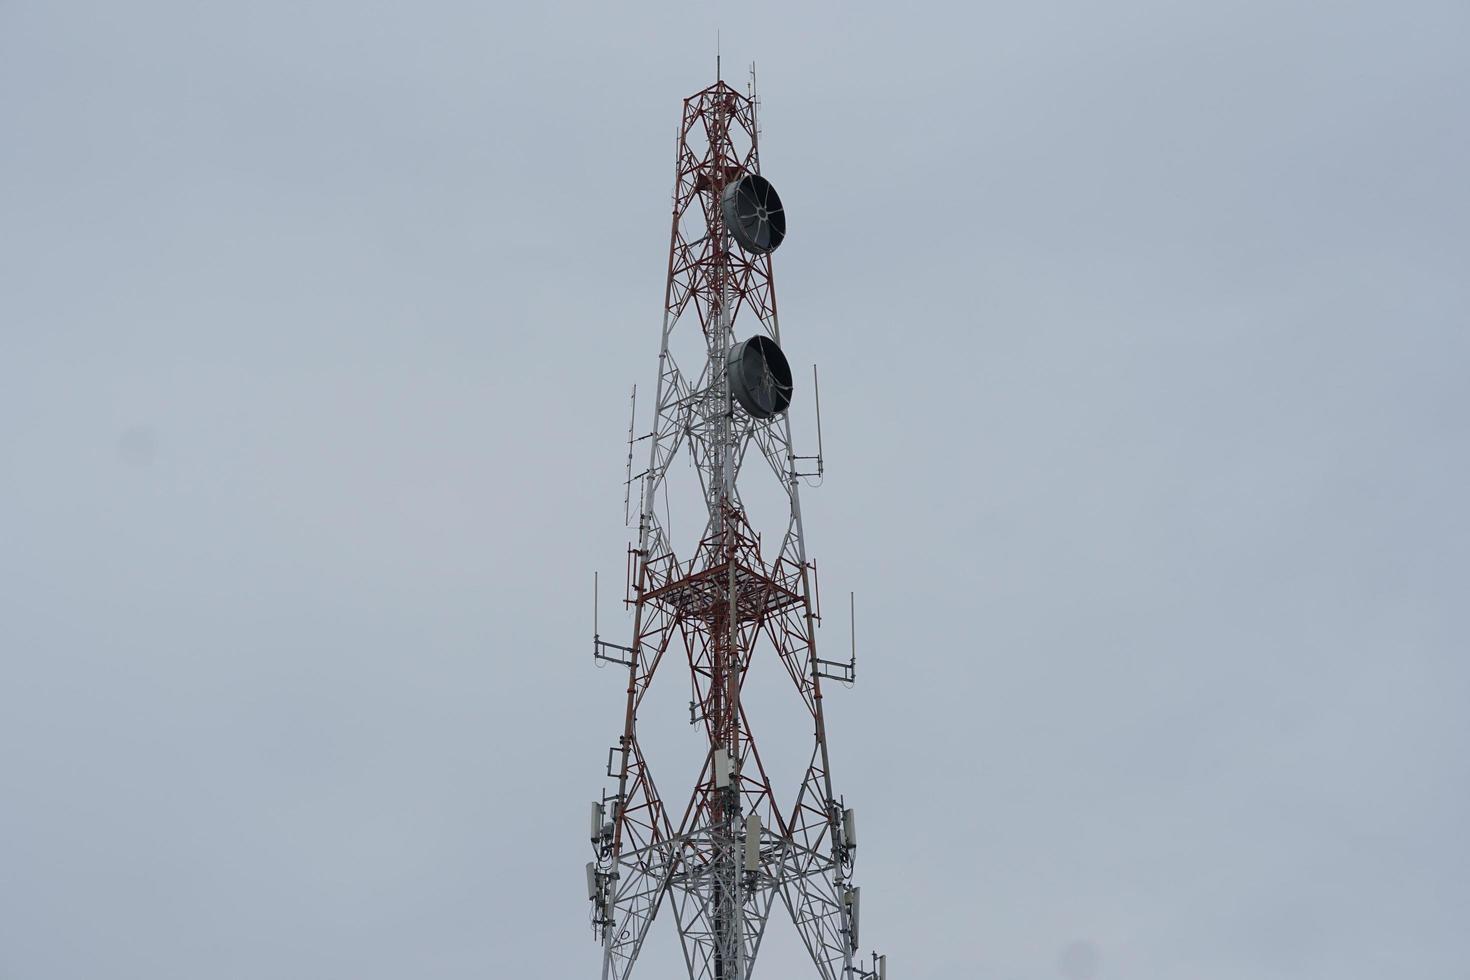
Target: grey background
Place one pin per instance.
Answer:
(1143, 338)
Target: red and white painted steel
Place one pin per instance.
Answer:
(721, 860)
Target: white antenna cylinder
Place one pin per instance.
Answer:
(597, 814)
(724, 768)
(592, 888)
(883, 967)
(849, 827)
(853, 897)
(753, 842)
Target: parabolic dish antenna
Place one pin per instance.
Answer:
(760, 377)
(753, 213)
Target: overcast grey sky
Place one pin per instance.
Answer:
(1143, 340)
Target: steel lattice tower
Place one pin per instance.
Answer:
(722, 861)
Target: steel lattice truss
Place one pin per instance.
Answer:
(707, 861)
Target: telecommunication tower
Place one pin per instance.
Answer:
(721, 861)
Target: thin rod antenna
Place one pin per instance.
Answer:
(821, 464)
(628, 483)
(817, 394)
(852, 626)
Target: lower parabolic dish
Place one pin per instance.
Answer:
(760, 377)
(753, 213)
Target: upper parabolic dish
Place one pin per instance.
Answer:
(753, 213)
